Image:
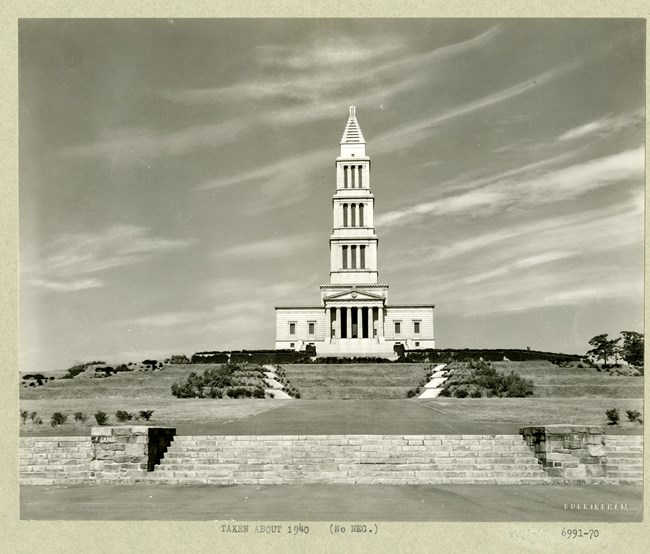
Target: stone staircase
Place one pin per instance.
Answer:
(625, 459)
(350, 459)
(55, 460)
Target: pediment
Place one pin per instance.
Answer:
(353, 294)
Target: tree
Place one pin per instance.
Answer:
(632, 349)
(603, 348)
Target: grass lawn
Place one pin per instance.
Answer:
(323, 381)
(170, 412)
(524, 411)
(562, 395)
(138, 384)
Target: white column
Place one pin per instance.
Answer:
(359, 323)
(337, 332)
(348, 312)
(380, 322)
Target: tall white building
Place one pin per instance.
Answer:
(353, 318)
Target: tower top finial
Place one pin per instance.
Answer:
(352, 132)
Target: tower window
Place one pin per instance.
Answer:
(345, 215)
(360, 215)
(344, 252)
(351, 176)
(353, 257)
(292, 328)
(353, 210)
(360, 185)
(362, 257)
(345, 176)
(416, 327)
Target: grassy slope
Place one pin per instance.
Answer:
(567, 395)
(562, 395)
(132, 392)
(323, 381)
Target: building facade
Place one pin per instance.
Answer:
(354, 318)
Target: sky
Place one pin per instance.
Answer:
(176, 178)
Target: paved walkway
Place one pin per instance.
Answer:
(334, 503)
(359, 417)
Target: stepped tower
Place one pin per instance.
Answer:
(354, 318)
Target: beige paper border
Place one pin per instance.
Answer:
(113, 537)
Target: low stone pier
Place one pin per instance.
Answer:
(572, 452)
(127, 453)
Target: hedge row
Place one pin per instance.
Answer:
(449, 355)
(259, 357)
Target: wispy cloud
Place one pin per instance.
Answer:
(166, 319)
(324, 71)
(66, 286)
(269, 248)
(129, 143)
(282, 182)
(412, 133)
(65, 265)
(555, 186)
(604, 126)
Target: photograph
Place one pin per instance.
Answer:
(303, 276)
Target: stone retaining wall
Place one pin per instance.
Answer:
(125, 453)
(569, 451)
(110, 455)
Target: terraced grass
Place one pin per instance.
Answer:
(561, 395)
(534, 411)
(129, 384)
(352, 381)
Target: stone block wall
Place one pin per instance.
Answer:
(572, 452)
(127, 453)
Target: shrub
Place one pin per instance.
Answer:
(123, 416)
(146, 414)
(612, 416)
(476, 394)
(58, 419)
(80, 416)
(461, 393)
(24, 414)
(33, 415)
(38, 421)
(79, 368)
(101, 418)
(634, 416)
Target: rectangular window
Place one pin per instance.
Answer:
(362, 257)
(345, 256)
(312, 327)
(292, 328)
(416, 327)
(398, 327)
(353, 256)
(417, 344)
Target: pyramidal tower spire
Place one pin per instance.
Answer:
(352, 142)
